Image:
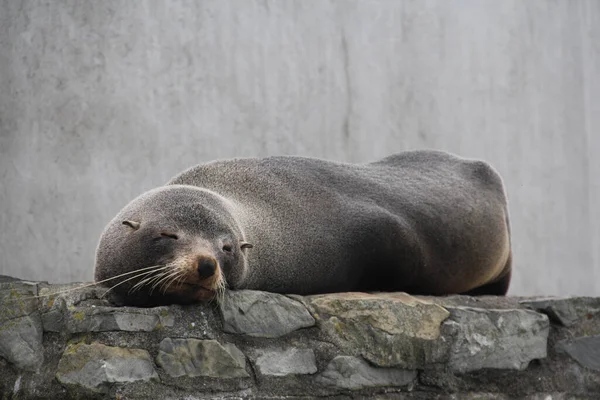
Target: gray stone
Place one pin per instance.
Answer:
(353, 373)
(584, 350)
(72, 294)
(286, 362)
(21, 342)
(549, 396)
(8, 279)
(17, 299)
(96, 366)
(193, 357)
(20, 325)
(54, 320)
(499, 339)
(389, 330)
(567, 311)
(102, 319)
(263, 314)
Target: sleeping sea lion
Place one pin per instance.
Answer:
(422, 222)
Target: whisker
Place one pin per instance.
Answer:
(180, 277)
(154, 279)
(159, 279)
(128, 279)
(164, 277)
(152, 282)
(219, 290)
(222, 287)
(92, 284)
(131, 272)
(148, 279)
(176, 276)
(180, 280)
(166, 281)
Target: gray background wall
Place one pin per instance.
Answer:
(102, 100)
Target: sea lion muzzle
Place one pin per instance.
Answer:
(206, 267)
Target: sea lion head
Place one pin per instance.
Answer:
(175, 244)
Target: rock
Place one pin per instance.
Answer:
(21, 330)
(193, 357)
(102, 319)
(72, 294)
(17, 299)
(353, 373)
(548, 396)
(263, 314)
(96, 366)
(286, 362)
(358, 345)
(21, 342)
(567, 311)
(54, 320)
(8, 279)
(389, 330)
(584, 350)
(500, 339)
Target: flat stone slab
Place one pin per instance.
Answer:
(194, 357)
(96, 366)
(77, 308)
(567, 311)
(388, 330)
(584, 350)
(354, 374)
(291, 361)
(498, 339)
(263, 314)
(104, 319)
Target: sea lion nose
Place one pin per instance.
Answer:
(206, 267)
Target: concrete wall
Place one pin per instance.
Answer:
(102, 100)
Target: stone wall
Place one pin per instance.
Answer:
(262, 345)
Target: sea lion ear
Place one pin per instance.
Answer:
(132, 224)
(246, 245)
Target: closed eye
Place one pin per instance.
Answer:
(169, 235)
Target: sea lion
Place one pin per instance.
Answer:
(423, 222)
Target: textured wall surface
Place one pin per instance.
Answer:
(258, 345)
(100, 101)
